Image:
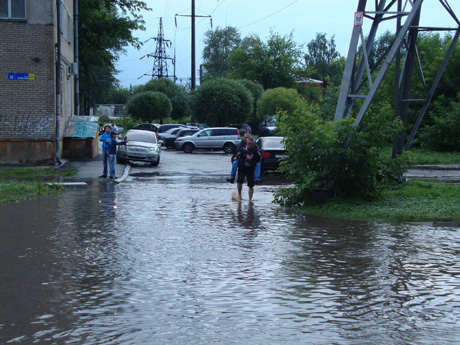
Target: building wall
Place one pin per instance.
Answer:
(28, 107)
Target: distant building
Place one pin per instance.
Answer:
(108, 110)
(28, 82)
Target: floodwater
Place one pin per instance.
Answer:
(171, 259)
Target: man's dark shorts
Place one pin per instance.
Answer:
(248, 172)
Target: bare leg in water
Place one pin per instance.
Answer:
(239, 188)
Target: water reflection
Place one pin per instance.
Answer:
(175, 260)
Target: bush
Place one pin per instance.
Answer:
(443, 135)
(176, 93)
(149, 105)
(337, 155)
(220, 102)
(277, 100)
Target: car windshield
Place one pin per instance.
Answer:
(148, 137)
(273, 143)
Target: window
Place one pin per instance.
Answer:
(13, 9)
(69, 23)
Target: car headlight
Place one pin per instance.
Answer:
(178, 139)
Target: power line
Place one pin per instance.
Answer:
(271, 15)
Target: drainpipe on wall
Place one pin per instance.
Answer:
(58, 77)
(77, 76)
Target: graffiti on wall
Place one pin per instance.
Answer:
(25, 126)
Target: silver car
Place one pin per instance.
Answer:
(216, 138)
(142, 146)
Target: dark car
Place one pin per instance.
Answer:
(146, 127)
(272, 150)
(169, 134)
(164, 128)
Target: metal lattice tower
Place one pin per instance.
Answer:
(160, 62)
(358, 87)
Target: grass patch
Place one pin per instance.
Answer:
(20, 191)
(35, 172)
(413, 201)
(421, 156)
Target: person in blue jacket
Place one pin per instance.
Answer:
(112, 143)
(105, 145)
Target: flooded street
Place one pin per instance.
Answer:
(167, 257)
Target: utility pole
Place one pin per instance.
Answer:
(193, 16)
(193, 47)
(357, 92)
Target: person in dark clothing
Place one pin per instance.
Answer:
(235, 160)
(264, 131)
(112, 151)
(248, 157)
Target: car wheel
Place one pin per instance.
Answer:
(188, 148)
(155, 164)
(229, 148)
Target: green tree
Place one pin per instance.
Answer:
(219, 43)
(176, 93)
(322, 60)
(272, 64)
(219, 102)
(118, 96)
(444, 132)
(105, 29)
(256, 91)
(149, 105)
(277, 101)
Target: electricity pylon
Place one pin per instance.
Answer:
(357, 87)
(160, 62)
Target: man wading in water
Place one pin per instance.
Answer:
(248, 157)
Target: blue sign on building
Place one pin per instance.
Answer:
(21, 76)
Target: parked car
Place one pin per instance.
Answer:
(198, 125)
(242, 128)
(272, 150)
(168, 134)
(147, 127)
(102, 128)
(164, 128)
(217, 138)
(142, 145)
(183, 132)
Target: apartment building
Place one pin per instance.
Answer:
(30, 85)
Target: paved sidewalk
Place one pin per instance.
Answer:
(435, 172)
(90, 169)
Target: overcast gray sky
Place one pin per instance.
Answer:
(302, 17)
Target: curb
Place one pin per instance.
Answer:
(436, 167)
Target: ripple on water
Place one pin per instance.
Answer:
(177, 261)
